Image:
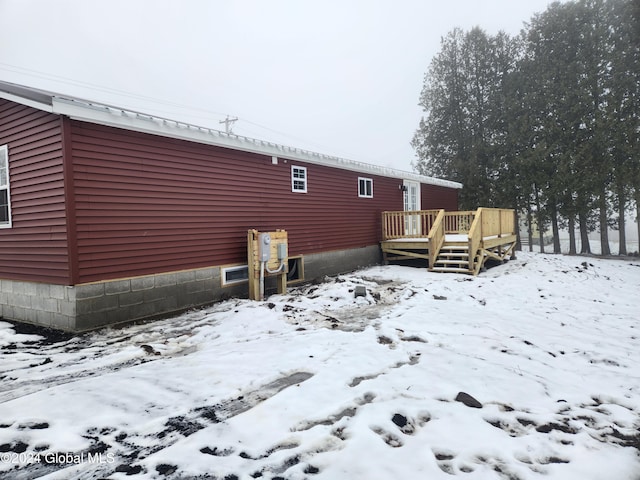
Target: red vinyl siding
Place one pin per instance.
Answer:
(436, 196)
(35, 247)
(147, 204)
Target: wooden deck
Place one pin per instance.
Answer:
(459, 242)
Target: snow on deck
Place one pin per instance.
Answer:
(319, 384)
(456, 237)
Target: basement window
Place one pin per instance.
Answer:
(5, 195)
(295, 272)
(365, 187)
(298, 179)
(234, 275)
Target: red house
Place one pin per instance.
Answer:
(109, 215)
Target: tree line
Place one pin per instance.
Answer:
(546, 122)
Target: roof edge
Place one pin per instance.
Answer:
(99, 113)
(35, 102)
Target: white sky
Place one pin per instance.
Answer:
(335, 76)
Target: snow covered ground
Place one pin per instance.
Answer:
(319, 384)
(594, 244)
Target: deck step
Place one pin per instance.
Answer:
(453, 254)
(444, 262)
(450, 269)
(454, 247)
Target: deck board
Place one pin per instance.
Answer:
(491, 242)
(406, 244)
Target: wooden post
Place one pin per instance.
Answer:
(282, 282)
(254, 265)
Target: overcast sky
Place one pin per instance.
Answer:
(340, 77)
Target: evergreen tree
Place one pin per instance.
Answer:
(623, 106)
(547, 123)
(463, 99)
(554, 67)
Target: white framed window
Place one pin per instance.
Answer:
(365, 187)
(298, 179)
(234, 274)
(5, 193)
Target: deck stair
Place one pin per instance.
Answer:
(452, 258)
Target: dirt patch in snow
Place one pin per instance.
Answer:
(347, 312)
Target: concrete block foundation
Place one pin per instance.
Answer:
(93, 305)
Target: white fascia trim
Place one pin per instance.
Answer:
(121, 118)
(25, 101)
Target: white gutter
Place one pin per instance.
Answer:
(25, 101)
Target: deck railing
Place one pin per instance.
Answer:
(418, 224)
(436, 238)
(412, 224)
(458, 222)
(489, 222)
(474, 238)
(497, 222)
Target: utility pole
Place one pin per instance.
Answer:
(228, 122)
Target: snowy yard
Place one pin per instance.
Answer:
(318, 384)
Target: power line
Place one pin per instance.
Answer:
(123, 93)
(102, 88)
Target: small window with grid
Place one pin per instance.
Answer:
(298, 179)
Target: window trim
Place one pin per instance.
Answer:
(9, 223)
(233, 268)
(367, 181)
(294, 179)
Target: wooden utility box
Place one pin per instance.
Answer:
(254, 250)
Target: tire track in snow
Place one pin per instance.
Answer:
(128, 448)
